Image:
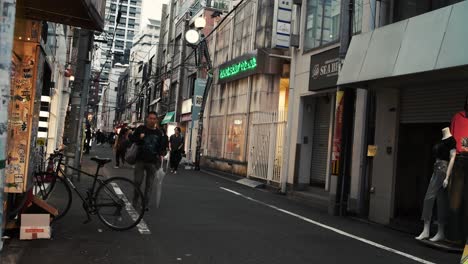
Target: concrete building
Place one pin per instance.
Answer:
(108, 103)
(142, 58)
(115, 42)
(404, 70)
(175, 68)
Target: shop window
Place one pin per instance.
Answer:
(322, 23)
(215, 136)
(235, 137)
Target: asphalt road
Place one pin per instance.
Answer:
(207, 219)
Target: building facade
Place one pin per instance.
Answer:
(404, 91)
(245, 115)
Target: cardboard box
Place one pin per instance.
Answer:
(35, 226)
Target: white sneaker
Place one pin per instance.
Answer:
(116, 167)
(175, 172)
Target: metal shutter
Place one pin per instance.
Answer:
(320, 141)
(432, 104)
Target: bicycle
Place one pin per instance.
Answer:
(109, 198)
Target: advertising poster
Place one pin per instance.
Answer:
(337, 138)
(22, 129)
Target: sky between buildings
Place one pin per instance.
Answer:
(151, 9)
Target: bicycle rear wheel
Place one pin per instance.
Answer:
(119, 203)
(59, 196)
(43, 184)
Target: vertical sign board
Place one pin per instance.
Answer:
(200, 85)
(282, 27)
(336, 152)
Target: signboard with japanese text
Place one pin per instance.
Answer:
(282, 24)
(24, 115)
(200, 85)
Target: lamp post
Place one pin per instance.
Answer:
(197, 40)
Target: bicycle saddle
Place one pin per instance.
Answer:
(101, 161)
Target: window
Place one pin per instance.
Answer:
(410, 8)
(131, 21)
(112, 18)
(322, 23)
(357, 17)
(133, 2)
(113, 7)
(130, 34)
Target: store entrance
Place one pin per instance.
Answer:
(414, 170)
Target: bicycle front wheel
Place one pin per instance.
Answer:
(119, 203)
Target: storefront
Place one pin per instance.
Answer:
(414, 88)
(247, 116)
(316, 116)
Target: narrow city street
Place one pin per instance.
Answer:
(208, 219)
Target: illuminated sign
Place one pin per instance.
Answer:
(238, 68)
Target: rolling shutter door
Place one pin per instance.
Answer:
(431, 104)
(320, 141)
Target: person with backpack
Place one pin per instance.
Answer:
(120, 147)
(149, 139)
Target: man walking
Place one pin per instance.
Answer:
(149, 139)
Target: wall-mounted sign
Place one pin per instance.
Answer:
(200, 85)
(238, 68)
(324, 69)
(187, 106)
(282, 24)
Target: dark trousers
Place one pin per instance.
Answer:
(176, 157)
(436, 192)
(120, 156)
(146, 171)
(458, 194)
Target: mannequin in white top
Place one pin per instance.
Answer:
(444, 152)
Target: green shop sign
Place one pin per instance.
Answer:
(238, 68)
(241, 67)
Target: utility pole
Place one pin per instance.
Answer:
(79, 98)
(7, 28)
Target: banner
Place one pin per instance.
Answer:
(200, 85)
(337, 135)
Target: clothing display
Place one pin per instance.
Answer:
(442, 149)
(436, 191)
(459, 130)
(458, 193)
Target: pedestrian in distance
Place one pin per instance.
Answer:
(149, 139)
(120, 147)
(176, 146)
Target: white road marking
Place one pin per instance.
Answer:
(333, 229)
(142, 226)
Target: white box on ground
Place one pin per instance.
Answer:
(35, 226)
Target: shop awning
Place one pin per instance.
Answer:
(432, 41)
(87, 14)
(168, 118)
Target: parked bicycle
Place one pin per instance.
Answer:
(117, 201)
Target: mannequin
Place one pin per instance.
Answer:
(444, 152)
(458, 194)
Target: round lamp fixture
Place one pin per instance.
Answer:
(200, 22)
(192, 36)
